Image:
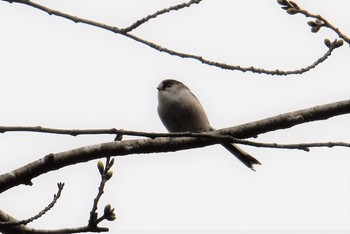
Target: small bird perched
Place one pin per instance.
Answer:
(180, 111)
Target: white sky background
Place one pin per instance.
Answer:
(56, 73)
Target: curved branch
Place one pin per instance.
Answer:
(40, 214)
(293, 8)
(27, 230)
(22, 229)
(56, 161)
(4, 217)
(125, 33)
(156, 14)
(327, 24)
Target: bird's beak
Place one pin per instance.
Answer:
(159, 87)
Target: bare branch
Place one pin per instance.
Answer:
(22, 229)
(4, 217)
(209, 135)
(106, 175)
(153, 135)
(298, 146)
(172, 52)
(110, 131)
(292, 8)
(156, 14)
(72, 132)
(11, 225)
(41, 213)
(288, 120)
(235, 67)
(242, 131)
(26, 230)
(142, 146)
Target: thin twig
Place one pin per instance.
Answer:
(293, 8)
(299, 146)
(235, 67)
(106, 175)
(327, 24)
(41, 213)
(85, 229)
(72, 132)
(175, 53)
(153, 135)
(158, 13)
(111, 131)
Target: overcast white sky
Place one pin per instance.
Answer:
(56, 73)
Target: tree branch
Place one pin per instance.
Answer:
(108, 214)
(288, 120)
(22, 229)
(159, 48)
(153, 135)
(40, 214)
(56, 161)
(247, 130)
(156, 14)
(293, 8)
(4, 217)
(299, 146)
(11, 225)
(26, 230)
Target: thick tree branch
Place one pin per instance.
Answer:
(125, 33)
(4, 217)
(288, 120)
(56, 161)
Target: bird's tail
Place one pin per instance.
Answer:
(243, 156)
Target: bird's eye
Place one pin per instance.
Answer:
(169, 85)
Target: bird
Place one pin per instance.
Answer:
(180, 111)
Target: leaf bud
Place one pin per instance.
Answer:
(109, 213)
(294, 4)
(282, 2)
(338, 43)
(327, 42)
(315, 29)
(109, 175)
(292, 11)
(100, 167)
(311, 23)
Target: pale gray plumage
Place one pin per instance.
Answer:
(180, 111)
